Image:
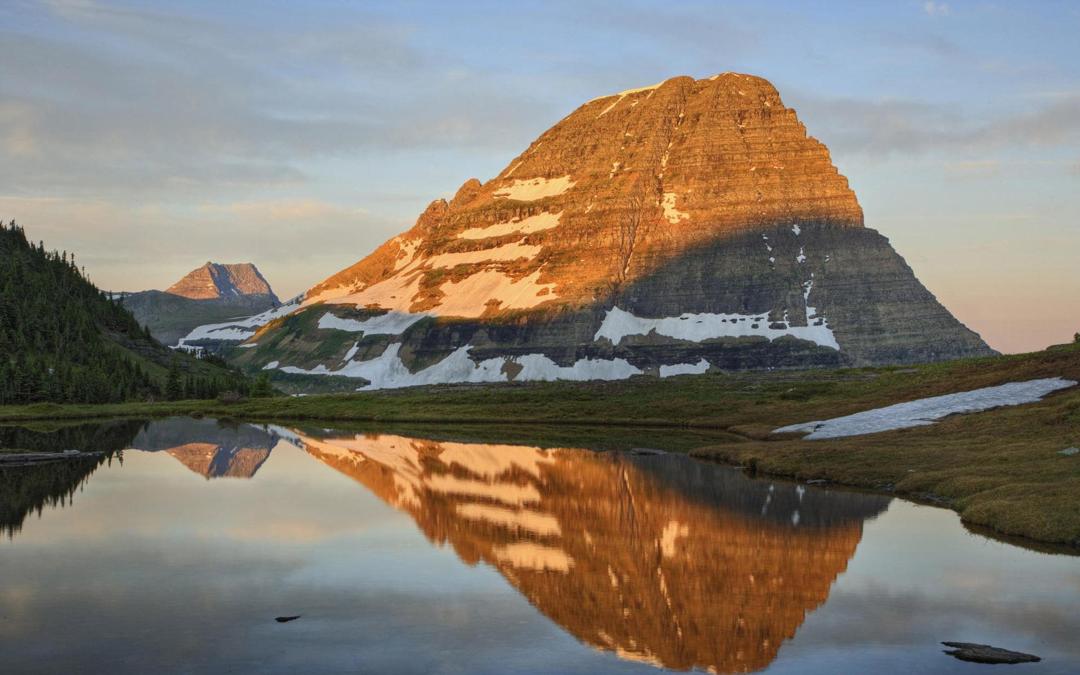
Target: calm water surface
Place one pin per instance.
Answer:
(414, 555)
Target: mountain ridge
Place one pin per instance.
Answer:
(208, 294)
(683, 227)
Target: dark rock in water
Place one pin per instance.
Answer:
(287, 619)
(976, 653)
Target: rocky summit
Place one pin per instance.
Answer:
(215, 281)
(208, 294)
(678, 228)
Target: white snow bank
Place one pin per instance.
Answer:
(672, 214)
(531, 189)
(684, 369)
(619, 323)
(387, 371)
(391, 323)
(537, 223)
(471, 296)
(512, 251)
(926, 411)
(240, 329)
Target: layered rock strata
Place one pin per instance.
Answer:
(674, 229)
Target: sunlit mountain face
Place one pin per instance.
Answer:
(657, 558)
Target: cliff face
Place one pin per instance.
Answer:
(662, 559)
(670, 229)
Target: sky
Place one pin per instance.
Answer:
(149, 138)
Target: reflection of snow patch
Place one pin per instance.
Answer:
(529, 521)
(673, 531)
(526, 555)
(926, 411)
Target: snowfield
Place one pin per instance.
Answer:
(926, 411)
(390, 323)
(618, 323)
(241, 329)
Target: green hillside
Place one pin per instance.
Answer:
(62, 340)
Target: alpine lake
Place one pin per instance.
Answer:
(199, 546)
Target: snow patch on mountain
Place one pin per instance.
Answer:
(672, 214)
(619, 323)
(391, 323)
(387, 371)
(471, 296)
(241, 329)
(532, 189)
(685, 369)
(537, 223)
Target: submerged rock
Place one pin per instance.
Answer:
(976, 653)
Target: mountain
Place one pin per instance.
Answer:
(210, 294)
(63, 340)
(684, 564)
(208, 448)
(215, 281)
(678, 228)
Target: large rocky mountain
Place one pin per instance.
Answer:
(212, 293)
(687, 226)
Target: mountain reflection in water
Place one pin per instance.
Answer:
(658, 558)
(208, 448)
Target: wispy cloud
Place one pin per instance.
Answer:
(882, 128)
(937, 8)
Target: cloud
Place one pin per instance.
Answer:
(976, 167)
(936, 8)
(882, 128)
(207, 107)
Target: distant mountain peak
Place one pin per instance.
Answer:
(214, 281)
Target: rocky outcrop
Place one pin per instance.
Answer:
(215, 281)
(678, 228)
(656, 558)
(210, 294)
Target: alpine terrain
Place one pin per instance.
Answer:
(678, 228)
(211, 293)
